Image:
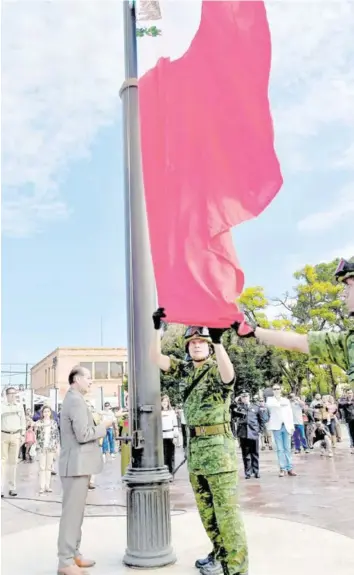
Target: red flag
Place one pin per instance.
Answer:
(208, 158)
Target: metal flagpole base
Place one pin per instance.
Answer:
(148, 519)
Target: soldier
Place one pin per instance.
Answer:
(327, 347)
(207, 386)
(250, 424)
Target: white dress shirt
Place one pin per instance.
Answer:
(169, 424)
(280, 413)
(13, 418)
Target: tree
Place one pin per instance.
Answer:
(317, 302)
(172, 344)
(315, 306)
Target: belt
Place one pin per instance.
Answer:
(11, 432)
(207, 430)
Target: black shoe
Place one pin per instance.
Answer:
(257, 475)
(13, 493)
(202, 562)
(2, 496)
(53, 472)
(247, 476)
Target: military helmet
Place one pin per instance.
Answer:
(196, 332)
(345, 270)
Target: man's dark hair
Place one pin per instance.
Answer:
(10, 389)
(77, 370)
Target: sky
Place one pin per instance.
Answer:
(63, 269)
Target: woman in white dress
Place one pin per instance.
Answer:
(169, 432)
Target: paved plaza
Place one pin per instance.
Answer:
(305, 522)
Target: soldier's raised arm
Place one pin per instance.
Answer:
(226, 369)
(285, 339)
(156, 355)
(327, 347)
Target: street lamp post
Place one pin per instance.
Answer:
(147, 479)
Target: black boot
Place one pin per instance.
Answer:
(202, 562)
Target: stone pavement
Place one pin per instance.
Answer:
(289, 511)
(277, 547)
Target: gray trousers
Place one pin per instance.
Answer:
(75, 491)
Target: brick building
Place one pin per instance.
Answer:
(108, 365)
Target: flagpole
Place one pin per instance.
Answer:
(147, 479)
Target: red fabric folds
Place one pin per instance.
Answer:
(208, 159)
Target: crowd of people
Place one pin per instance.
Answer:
(34, 437)
(288, 425)
(292, 424)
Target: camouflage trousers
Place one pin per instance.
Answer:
(217, 501)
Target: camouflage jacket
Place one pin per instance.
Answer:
(337, 348)
(207, 404)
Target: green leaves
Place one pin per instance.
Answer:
(152, 31)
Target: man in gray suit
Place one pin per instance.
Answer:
(80, 457)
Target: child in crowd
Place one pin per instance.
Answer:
(30, 442)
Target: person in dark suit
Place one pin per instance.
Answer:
(80, 458)
(250, 423)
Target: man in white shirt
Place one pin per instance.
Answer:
(281, 423)
(13, 429)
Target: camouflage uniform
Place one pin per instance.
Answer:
(212, 462)
(337, 348)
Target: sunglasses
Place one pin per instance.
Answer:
(276, 388)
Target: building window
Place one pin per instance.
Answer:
(87, 365)
(45, 377)
(116, 369)
(101, 370)
(126, 368)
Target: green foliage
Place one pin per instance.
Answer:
(153, 31)
(172, 344)
(315, 306)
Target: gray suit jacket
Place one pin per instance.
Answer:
(80, 452)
